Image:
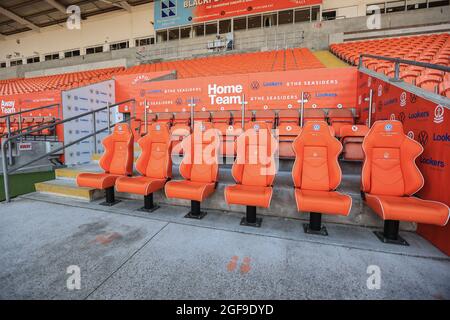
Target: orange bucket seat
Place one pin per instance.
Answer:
(254, 171)
(117, 161)
(390, 177)
(316, 174)
(199, 168)
(154, 164)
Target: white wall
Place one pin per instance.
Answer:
(100, 29)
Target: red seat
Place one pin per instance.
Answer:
(287, 133)
(253, 171)
(166, 118)
(203, 116)
(117, 161)
(338, 118)
(390, 177)
(154, 164)
(199, 168)
(352, 137)
(288, 116)
(267, 116)
(316, 174)
(313, 115)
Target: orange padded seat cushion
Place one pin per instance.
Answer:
(189, 190)
(323, 202)
(409, 209)
(248, 195)
(116, 161)
(139, 185)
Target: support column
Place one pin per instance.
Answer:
(250, 219)
(390, 233)
(195, 212)
(315, 225)
(149, 206)
(110, 198)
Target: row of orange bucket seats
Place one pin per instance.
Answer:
(30, 122)
(286, 121)
(389, 175)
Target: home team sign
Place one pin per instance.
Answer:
(173, 13)
(323, 88)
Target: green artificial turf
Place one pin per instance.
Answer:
(23, 183)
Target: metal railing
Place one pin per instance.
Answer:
(398, 61)
(11, 138)
(272, 40)
(20, 129)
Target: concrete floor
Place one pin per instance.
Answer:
(126, 254)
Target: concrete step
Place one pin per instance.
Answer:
(68, 189)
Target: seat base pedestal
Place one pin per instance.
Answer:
(149, 206)
(390, 233)
(195, 212)
(250, 219)
(110, 198)
(315, 225)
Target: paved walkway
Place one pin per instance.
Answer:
(126, 254)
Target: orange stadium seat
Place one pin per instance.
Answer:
(154, 164)
(390, 177)
(340, 117)
(288, 130)
(313, 115)
(267, 116)
(202, 116)
(352, 137)
(116, 161)
(253, 171)
(199, 168)
(316, 174)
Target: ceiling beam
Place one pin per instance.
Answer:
(56, 5)
(121, 4)
(18, 19)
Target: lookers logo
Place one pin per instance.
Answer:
(445, 137)
(432, 162)
(8, 106)
(419, 115)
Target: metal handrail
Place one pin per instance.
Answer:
(398, 61)
(15, 137)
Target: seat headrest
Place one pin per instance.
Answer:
(385, 133)
(122, 131)
(340, 113)
(316, 133)
(357, 130)
(159, 132)
(206, 131)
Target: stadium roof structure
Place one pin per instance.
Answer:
(18, 16)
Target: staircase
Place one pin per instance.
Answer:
(282, 205)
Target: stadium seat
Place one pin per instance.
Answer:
(165, 117)
(254, 171)
(287, 133)
(221, 117)
(352, 137)
(237, 118)
(200, 175)
(267, 116)
(390, 178)
(316, 174)
(289, 116)
(310, 114)
(429, 82)
(154, 164)
(203, 116)
(3, 128)
(338, 118)
(116, 161)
